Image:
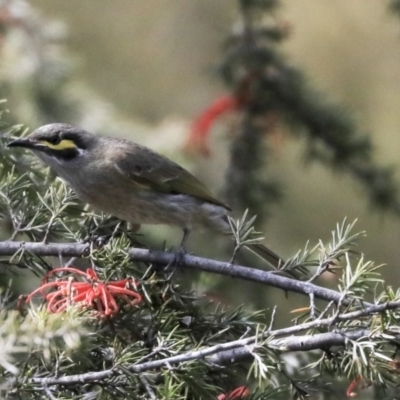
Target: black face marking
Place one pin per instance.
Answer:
(56, 139)
(61, 142)
(69, 154)
(65, 155)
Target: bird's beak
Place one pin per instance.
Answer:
(25, 142)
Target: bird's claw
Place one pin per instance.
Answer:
(179, 257)
(97, 240)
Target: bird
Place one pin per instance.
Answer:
(132, 182)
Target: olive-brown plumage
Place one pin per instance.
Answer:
(130, 181)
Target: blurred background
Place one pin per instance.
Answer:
(147, 70)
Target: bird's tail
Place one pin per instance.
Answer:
(273, 260)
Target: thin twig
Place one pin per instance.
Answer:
(271, 322)
(220, 354)
(187, 262)
(48, 393)
(312, 306)
(49, 226)
(320, 270)
(244, 347)
(148, 388)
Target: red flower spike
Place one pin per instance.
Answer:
(200, 130)
(239, 393)
(91, 293)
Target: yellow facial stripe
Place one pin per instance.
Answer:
(63, 145)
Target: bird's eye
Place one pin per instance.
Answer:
(54, 140)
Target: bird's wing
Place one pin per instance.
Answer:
(149, 169)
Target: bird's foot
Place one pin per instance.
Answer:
(178, 259)
(97, 240)
(180, 256)
(180, 253)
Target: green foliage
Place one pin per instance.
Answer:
(244, 233)
(173, 322)
(53, 335)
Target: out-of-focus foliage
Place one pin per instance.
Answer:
(395, 6)
(275, 96)
(37, 75)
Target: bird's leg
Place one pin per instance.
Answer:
(186, 233)
(119, 229)
(180, 253)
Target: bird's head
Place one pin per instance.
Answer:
(60, 141)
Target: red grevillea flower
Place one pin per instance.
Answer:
(239, 393)
(90, 292)
(243, 95)
(200, 130)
